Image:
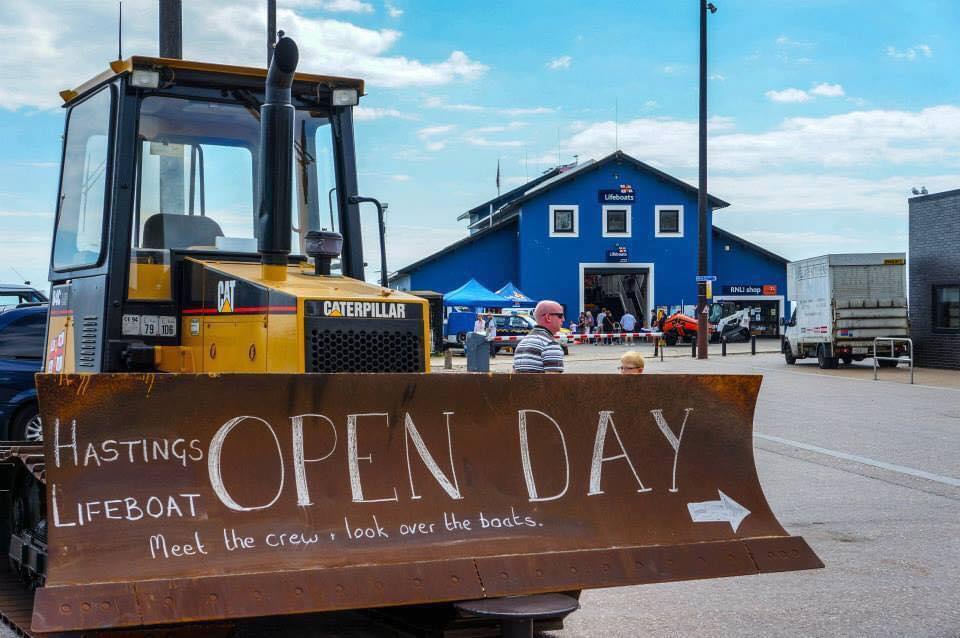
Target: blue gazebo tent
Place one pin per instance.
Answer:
(474, 295)
(514, 296)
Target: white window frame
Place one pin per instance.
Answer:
(627, 207)
(576, 220)
(656, 220)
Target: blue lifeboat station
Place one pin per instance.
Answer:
(614, 233)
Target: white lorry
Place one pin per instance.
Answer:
(841, 303)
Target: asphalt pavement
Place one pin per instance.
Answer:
(868, 472)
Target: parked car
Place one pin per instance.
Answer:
(21, 356)
(15, 294)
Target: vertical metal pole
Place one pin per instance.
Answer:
(753, 344)
(171, 29)
(702, 192)
(723, 346)
(271, 30)
(172, 168)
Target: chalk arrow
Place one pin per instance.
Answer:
(725, 510)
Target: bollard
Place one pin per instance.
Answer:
(447, 359)
(723, 346)
(753, 344)
(656, 346)
(693, 348)
(662, 344)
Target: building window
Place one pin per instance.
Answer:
(564, 221)
(946, 308)
(616, 221)
(668, 221)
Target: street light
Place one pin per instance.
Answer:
(702, 325)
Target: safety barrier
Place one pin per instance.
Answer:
(892, 357)
(583, 337)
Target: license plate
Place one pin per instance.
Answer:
(860, 350)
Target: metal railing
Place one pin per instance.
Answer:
(893, 355)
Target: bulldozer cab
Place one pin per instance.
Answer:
(161, 163)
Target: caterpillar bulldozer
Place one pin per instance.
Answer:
(236, 428)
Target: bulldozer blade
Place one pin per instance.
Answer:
(181, 498)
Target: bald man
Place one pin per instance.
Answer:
(538, 351)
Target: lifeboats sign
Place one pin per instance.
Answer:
(340, 491)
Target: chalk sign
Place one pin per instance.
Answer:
(345, 491)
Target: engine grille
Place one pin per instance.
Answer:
(363, 345)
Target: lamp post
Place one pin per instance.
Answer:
(702, 324)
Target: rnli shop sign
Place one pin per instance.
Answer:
(621, 195)
(747, 289)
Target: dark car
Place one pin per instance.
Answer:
(516, 325)
(21, 356)
(16, 294)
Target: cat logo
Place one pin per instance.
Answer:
(225, 298)
(335, 313)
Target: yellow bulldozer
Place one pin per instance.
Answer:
(237, 426)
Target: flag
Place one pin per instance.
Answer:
(498, 177)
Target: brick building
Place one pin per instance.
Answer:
(934, 263)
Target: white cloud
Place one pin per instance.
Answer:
(435, 102)
(650, 105)
(563, 62)
(827, 90)
(478, 140)
(854, 140)
(431, 131)
(392, 10)
(536, 110)
(718, 77)
(911, 53)
(367, 113)
(337, 6)
(788, 95)
(47, 36)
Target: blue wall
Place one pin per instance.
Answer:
(742, 264)
(550, 266)
(490, 259)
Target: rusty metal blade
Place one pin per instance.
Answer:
(177, 498)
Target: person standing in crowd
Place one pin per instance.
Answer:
(491, 335)
(539, 351)
(479, 326)
(601, 319)
(631, 363)
(587, 325)
(607, 326)
(628, 323)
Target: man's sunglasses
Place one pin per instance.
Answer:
(555, 314)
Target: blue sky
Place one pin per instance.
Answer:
(824, 114)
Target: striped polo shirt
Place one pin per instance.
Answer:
(538, 352)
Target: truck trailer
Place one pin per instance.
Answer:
(841, 303)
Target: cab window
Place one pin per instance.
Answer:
(517, 322)
(83, 192)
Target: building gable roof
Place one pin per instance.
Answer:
(618, 156)
(726, 234)
(477, 236)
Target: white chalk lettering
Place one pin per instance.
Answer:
(299, 469)
(672, 438)
(57, 446)
(411, 432)
(160, 548)
(596, 466)
(353, 459)
(525, 457)
(359, 533)
(56, 509)
(214, 461)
